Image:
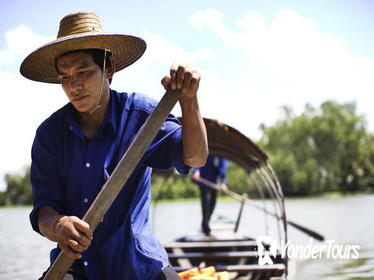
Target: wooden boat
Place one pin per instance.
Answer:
(228, 250)
(237, 255)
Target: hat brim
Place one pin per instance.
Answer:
(40, 64)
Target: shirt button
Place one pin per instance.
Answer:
(85, 263)
(85, 200)
(88, 164)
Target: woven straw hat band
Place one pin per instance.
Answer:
(80, 31)
(77, 23)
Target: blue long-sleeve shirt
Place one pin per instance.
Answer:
(214, 170)
(68, 171)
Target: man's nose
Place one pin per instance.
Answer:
(75, 82)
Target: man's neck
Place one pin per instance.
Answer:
(91, 121)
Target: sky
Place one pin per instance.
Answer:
(254, 58)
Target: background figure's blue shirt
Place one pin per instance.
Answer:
(214, 170)
(68, 171)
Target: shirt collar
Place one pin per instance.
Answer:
(111, 114)
(72, 117)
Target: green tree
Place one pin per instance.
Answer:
(2, 201)
(165, 185)
(239, 181)
(18, 188)
(323, 149)
(172, 186)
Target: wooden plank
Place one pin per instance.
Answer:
(277, 269)
(211, 244)
(251, 268)
(221, 233)
(181, 261)
(214, 255)
(120, 175)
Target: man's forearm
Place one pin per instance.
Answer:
(47, 219)
(195, 143)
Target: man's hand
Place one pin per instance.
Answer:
(196, 176)
(184, 78)
(73, 235)
(195, 142)
(223, 188)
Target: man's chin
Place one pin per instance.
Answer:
(81, 108)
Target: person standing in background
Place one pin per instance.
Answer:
(207, 179)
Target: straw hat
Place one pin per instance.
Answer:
(80, 31)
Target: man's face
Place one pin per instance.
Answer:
(80, 78)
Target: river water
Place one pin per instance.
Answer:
(344, 222)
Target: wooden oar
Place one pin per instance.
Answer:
(250, 202)
(120, 175)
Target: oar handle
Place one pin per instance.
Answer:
(216, 187)
(239, 197)
(120, 175)
(308, 231)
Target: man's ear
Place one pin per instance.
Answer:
(112, 68)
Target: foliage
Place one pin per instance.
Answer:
(165, 185)
(171, 185)
(2, 201)
(238, 181)
(323, 149)
(18, 188)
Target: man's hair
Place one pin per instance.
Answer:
(97, 56)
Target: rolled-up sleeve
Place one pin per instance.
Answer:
(44, 176)
(166, 151)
